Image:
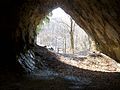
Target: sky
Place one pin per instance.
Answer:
(58, 13)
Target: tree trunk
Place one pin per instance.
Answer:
(65, 45)
(72, 36)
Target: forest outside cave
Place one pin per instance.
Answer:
(60, 34)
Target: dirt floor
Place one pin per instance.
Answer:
(91, 72)
(101, 63)
(66, 72)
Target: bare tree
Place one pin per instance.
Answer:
(72, 29)
(65, 35)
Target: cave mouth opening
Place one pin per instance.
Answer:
(61, 35)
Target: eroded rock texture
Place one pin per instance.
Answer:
(99, 18)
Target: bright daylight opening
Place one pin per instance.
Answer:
(60, 34)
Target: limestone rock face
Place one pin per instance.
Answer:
(99, 18)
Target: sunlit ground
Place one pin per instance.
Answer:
(104, 63)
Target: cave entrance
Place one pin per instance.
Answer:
(60, 33)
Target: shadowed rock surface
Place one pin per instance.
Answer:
(99, 18)
(44, 73)
(19, 19)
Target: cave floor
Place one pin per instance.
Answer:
(69, 73)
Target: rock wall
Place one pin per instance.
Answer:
(30, 14)
(99, 18)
